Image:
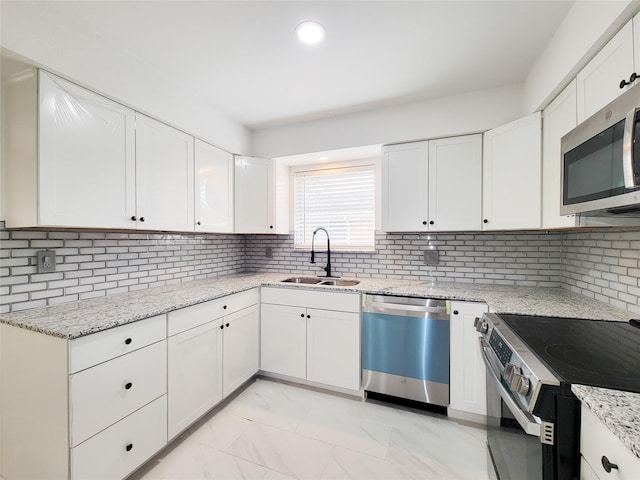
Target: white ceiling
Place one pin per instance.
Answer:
(243, 57)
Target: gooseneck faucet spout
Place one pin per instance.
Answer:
(313, 253)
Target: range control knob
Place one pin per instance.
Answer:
(509, 371)
(481, 325)
(520, 384)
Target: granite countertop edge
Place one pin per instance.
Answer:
(77, 319)
(619, 411)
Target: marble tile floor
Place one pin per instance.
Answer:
(278, 431)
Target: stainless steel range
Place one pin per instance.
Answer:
(534, 418)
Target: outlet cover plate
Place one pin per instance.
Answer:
(431, 257)
(46, 261)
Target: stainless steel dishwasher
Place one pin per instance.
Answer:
(405, 348)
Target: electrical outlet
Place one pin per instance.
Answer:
(430, 257)
(268, 252)
(46, 261)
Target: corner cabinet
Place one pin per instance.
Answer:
(311, 335)
(213, 189)
(467, 391)
(557, 120)
(261, 196)
(432, 185)
(70, 156)
(164, 176)
(511, 177)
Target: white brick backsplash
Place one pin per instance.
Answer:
(602, 264)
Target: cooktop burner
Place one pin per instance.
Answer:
(588, 352)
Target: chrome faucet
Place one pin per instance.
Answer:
(313, 253)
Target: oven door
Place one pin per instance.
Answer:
(513, 435)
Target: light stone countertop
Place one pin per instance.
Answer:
(73, 320)
(619, 411)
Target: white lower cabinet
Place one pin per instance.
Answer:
(212, 350)
(599, 447)
(467, 390)
(302, 338)
(194, 374)
(120, 449)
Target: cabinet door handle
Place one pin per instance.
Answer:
(142, 219)
(431, 222)
(308, 316)
(128, 341)
(302, 315)
(632, 79)
(134, 218)
(221, 327)
(128, 386)
(424, 222)
(199, 223)
(485, 221)
(129, 447)
(607, 465)
(455, 312)
(227, 325)
(270, 226)
(224, 307)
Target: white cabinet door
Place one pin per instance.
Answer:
(468, 374)
(164, 176)
(253, 195)
(557, 120)
(194, 369)
(404, 187)
(213, 189)
(511, 176)
(599, 81)
(283, 340)
(86, 171)
(333, 348)
(455, 183)
(240, 358)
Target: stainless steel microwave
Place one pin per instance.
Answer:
(601, 160)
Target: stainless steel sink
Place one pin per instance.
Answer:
(306, 280)
(340, 283)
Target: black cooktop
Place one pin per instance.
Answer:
(589, 352)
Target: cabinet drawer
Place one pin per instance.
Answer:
(344, 302)
(597, 441)
(85, 352)
(102, 395)
(196, 315)
(144, 432)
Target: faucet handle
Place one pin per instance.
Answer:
(313, 257)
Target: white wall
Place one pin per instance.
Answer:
(81, 56)
(585, 29)
(468, 113)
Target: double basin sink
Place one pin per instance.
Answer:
(334, 282)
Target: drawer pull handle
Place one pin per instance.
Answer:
(128, 386)
(221, 327)
(607, 465)
(227, 325)
(128, 341)
(224, 307)
(129, 447)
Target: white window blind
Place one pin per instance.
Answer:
(342, 200)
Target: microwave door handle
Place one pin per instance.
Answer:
(627, 150)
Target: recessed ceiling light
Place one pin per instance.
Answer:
(310, 33)
(324, 158)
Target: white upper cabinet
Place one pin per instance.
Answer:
(164, 176)
(213, 189)
(455, 183)
(511, 186)
(598, 83)
(70, 156)
(405, 170)
(432, 185)
(261, 196)
(557, 120)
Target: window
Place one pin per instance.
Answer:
(342, 200)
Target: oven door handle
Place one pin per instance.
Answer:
(526, 420)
